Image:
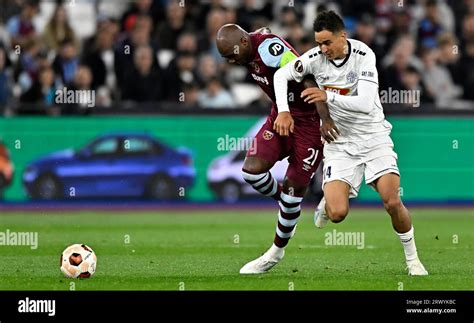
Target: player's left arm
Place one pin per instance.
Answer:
(367, 89)
(328, 129)
(276, 54)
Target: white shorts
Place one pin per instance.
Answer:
(349, 162)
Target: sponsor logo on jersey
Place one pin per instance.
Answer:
(337, 90)
(276, 49)
(298, 66)
(351, 77)
(267, 135)
(260, 79)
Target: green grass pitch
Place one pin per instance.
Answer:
(204, 250)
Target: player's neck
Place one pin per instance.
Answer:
(345, 52)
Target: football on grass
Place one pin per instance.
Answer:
(78, 260)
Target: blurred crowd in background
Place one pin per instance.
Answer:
(164, 50)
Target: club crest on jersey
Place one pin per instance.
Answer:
(267, 135)
(255, 67)
(298, 66)
(351, 77)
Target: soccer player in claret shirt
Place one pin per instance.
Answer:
(292, 132)
(346, 74)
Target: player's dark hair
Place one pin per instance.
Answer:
(328, 20)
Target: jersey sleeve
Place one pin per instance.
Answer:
(301, 66)
(275, 53)
(296, 70)
(367, 69)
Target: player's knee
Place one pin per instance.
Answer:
(254, 166)
(337, 213)
(392, 204)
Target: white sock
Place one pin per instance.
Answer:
(275, 252)
(408, 241)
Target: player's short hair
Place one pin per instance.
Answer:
(328, 20)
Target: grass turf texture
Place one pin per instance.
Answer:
(198, 250)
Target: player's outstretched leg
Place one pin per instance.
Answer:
(387, 186)
(334, 205)
(256, 172)
(290, 208)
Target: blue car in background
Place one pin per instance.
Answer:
(114, 165)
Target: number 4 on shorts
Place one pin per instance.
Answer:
(328, 172)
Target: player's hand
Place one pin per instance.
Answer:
(329, 131)
(313, 95)
(284, 124)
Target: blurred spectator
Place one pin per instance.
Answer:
(461, 9)
(400, 58)
(10, 8)
(205, 8)
(21, 26)
(449, 54)
(306, 43)
(190, 95)
(288, 17)
(356, 9)
(438, 80)
(252, 10)
(140, 36)
(207, 42)
(58, 29)
(5, 79)
(216, 96)
(168, 31)
(421, 8)
(295, 36)
(401, 23)
(366, 32)
(430, 27)
(43, 90)
(83, 79)
(181, 71)
(101, 60)
(411, 80)
(143, 83)
(467, 67)
(207, 69)
(137, 8)
(103, 22)
(66, 61)
(26, 71)
(187, 41)
(468, 29)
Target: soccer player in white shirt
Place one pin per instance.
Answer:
(348, 81)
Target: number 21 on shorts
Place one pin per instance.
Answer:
(313, 156)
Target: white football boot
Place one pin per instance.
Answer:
(320, 216)
(264, 263)
(416, 268)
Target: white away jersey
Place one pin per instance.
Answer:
(342, 77)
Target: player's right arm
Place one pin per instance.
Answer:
(300, 70)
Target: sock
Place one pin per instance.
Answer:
(275, 252)
(408, 241)
(263, 183)
(290, 207)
